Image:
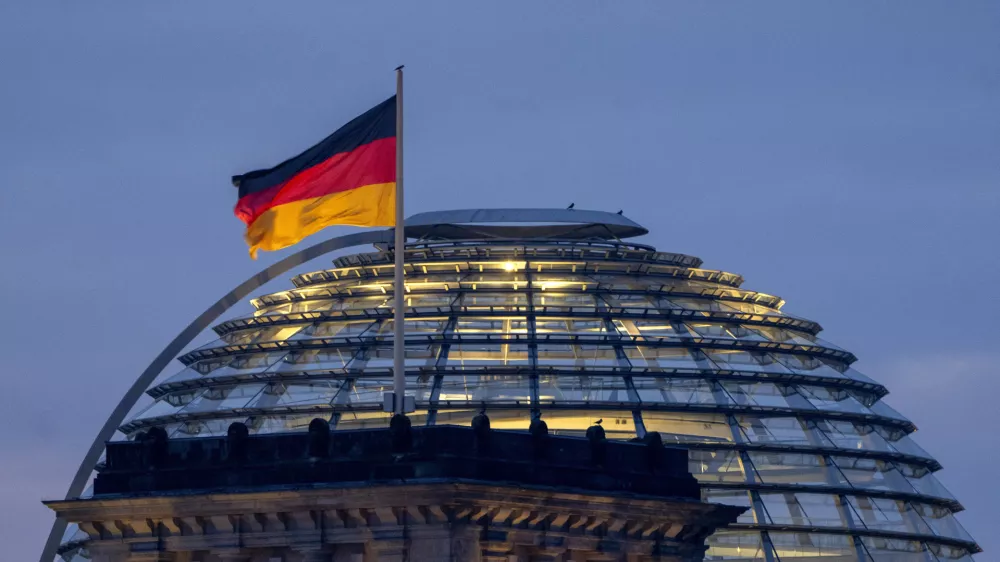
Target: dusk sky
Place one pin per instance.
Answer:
(842, 155)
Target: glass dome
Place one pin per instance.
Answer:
(581, 328)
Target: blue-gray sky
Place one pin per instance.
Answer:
(840, 154)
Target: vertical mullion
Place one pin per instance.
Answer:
(749, 476)
(440, 363)
(529, 292)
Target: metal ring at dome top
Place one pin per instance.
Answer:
(569, 224)
(770, 301)
(363, 273)
(539, 249)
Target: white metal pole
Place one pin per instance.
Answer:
(399, 298)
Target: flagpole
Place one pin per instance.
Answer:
(398, 348)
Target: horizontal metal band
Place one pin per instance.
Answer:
(951, 503)
(594, 312)
(307, 375)
(771, 411)
(763, 299)
(859, 531)
(507, 339)
(552, 266)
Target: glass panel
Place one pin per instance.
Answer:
(254, 335)
(873, 474)
(425, 300)
(371, 390)
(847, 435)
(471, 325)
(204, 428)
(669, 390)
(793, 468)
(336, 329)
(942, 521)
(488, 281)
(296, 394)
(364, 420)
(832, 399)
(737, 546)
(577, 355)
(226, 398)
(499, 419)
(504, 301)
(631, 301)
(894, 550)
(701, 304)
(658, 329)
(675, 427)
(751, 308)
(902, 442)
(819, 510)
(661, 357)
(239, 364)
(585, 327)
(557, 388)
(716, 466)
(416, 355)
(925, 482)
(787, 431)
(285, 423)
(168, 404)
(950, 553)
(724, 331)
(358, 302)
(737, 360)
(330, 359)
(813, 546)
(764, 394)
(782, 335)
(485, 388)
(617, 424)
(549, 298)
(803, 365)
(474, 355)
(882, 514)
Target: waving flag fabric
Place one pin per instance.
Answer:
(349, 178)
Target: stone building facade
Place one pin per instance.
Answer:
(434, 494)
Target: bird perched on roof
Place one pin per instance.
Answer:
(571, 205)
(600, 421)
(620, 211)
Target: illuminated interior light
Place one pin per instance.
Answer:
(508, 266)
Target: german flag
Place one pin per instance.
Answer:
(348, 178)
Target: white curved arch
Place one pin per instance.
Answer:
(178, 344)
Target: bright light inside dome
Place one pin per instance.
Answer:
(508, 266)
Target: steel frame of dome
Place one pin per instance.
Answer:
(552, 313)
